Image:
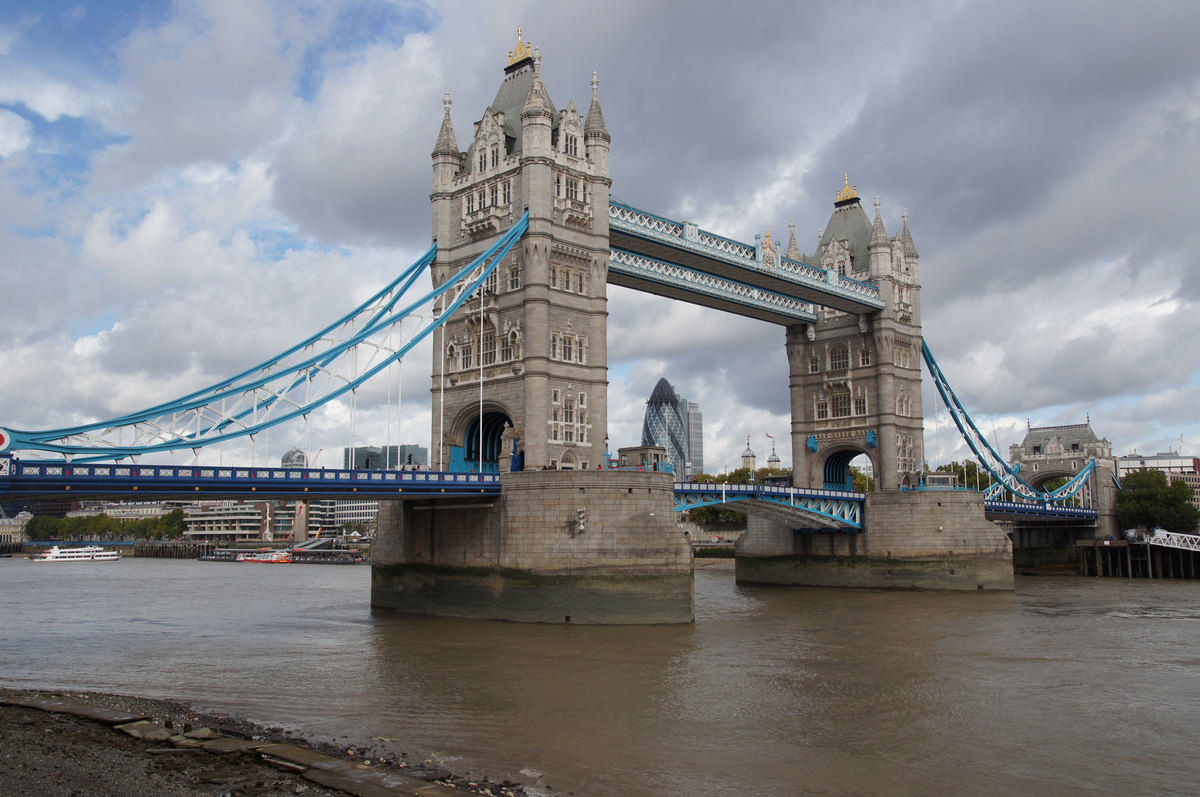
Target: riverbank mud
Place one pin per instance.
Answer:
(84, 743)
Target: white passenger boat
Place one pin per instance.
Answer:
(87, 553)
(267, 555)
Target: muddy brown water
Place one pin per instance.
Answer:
(1065, 686)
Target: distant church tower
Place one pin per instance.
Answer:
(539, 342)
(748, 458)
(856, 379)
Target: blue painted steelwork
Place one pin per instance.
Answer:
(44, 477)
(834, 509)
(1044, 510)
(698, 287)
(284, 388)
(686, 247)
(1004, 474)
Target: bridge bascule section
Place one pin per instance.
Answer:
(526, 240)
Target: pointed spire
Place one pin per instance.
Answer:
(847, 194)
(594, 124)
(878, 233)
(910, 248)
(447, 144)
(793, 248)
(520, 52)
(538, 101)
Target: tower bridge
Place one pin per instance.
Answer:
(526, 240)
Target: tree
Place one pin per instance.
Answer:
(1147, 501)
(862, 482)
(717, 516)
(969, 474)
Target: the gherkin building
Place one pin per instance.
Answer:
(677, 425)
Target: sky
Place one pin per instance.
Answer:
(189, 187)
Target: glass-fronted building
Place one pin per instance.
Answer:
(677, 425)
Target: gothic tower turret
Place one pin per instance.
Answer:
(856, 380)
(520, 377)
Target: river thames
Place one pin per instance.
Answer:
(1066, 686)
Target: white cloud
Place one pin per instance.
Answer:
(16, 133)
(273, 168)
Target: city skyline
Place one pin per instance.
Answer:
(190, 187)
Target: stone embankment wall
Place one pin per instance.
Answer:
(913, 540)
(557, 546)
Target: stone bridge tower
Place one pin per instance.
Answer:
(521, 382)
(856, 379)
(1060, 452)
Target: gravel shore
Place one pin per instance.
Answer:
(55, 751)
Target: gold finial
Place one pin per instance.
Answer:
(847, 192)
(768, 243)
(522, 52)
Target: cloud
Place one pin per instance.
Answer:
(346, 172)
(261, 166)
(16, 133)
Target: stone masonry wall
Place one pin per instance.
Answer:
(557, 546)
(914, 540)
(930, 523)
(628, 523)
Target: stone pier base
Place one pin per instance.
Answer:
(596, 547)
(914, 540)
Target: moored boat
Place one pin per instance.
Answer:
(276, 557)
(86, 553)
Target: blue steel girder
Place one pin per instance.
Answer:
(1037, 510)
(685, 245)
(708, 290)
(39, 478)
(836, 510)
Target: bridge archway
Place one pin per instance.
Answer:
(494, 421)
(1040, 478)
(836, 467)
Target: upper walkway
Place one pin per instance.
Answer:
(678, 260)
